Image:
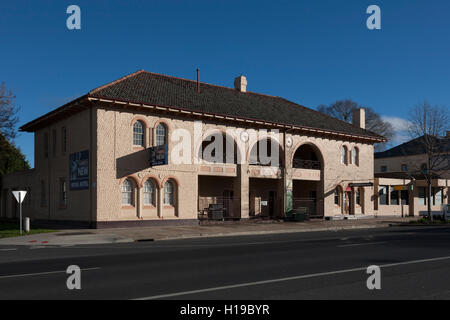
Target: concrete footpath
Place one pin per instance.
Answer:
(123, 235)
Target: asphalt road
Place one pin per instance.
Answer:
(415, 264)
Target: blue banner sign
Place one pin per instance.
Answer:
(79, 170)
(159, 156)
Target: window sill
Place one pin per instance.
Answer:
(149, 207)
(168, 207)
(138, 148)
(128, 207)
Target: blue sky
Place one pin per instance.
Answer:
(311, 52)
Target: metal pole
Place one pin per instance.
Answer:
(20, 211)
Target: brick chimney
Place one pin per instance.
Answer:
(359, 118)
(240, 84)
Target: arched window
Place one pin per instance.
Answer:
(149, 193)
(138, 133)
(344, 153)
(161, 135)
(355, 156)
(169, 191)
(127, 193)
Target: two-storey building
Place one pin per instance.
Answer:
(150, 149)
(400, 178)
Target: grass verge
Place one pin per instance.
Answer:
(8, 230)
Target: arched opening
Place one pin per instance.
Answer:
(308, 180)
(218, 191)
(306, 157)
(266, 192)
(219, 147)
(267, 152)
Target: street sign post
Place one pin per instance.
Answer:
(20, 195)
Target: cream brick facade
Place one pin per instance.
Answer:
(107, 132)
(124, 190)
(414, 203)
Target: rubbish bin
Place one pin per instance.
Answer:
(299, 215)
(26, 225)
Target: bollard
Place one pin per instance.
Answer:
(27, 225)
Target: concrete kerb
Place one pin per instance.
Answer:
(72, 238)
(250, 233)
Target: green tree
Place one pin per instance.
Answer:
(8, 113)
(11, 158)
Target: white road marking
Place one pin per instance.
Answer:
(360, 244)
(12, 249)
(41, 273)
(315, 275)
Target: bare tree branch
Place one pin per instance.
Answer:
(429, 124)
(343, 110)
(8, 113)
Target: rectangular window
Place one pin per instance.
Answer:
(63, 140)
(383, 195)
(337, 198)
(43, 194)
(54, 143)
(405, 197)
(394, 197)
(62, 192)
(422, 196)
(438, 196)
(383, 168)
(404, 167)
(46, 144)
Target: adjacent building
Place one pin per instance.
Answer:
(400, 180)
(142, 150)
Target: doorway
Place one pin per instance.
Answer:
(348, 202)
(228, 204)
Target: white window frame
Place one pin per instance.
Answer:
(169, 194)
(161, 134)
(127, 193)
(139, 134)
(149, 193)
